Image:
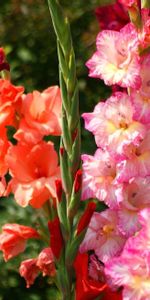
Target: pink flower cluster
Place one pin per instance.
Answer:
(119, 172)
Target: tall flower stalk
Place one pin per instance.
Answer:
(69, 149)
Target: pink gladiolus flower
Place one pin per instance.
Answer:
(42, 112)
(13, 239)
(131, 270)
(34, 169)
(140, 98)
(29, 270)
(144, 90)
(99, 178)
(45, 262)
(136, 196)
(141, 241)
(118, 64)
(137, 164)
(103, 236)
(113, 125)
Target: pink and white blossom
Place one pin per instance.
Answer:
(113, 125)
(103, 236)
(99, 178)
(131, 270)
(136, 196)
(118, 64)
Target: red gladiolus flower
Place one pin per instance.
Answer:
(87, 288)
(86, 217)
(13, 239)
(56, 239)
(112, 17)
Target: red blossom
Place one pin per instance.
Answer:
(13, 239)
(56, 239)
(86, 217)
(29, 270)
(45, 262)
(87, 288)
(112, 17)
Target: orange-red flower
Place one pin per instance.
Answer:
(4, 145)
(10, 102)
(29, 270)
(45, 262)
(41, 115)
(34, 169)
(13, 239)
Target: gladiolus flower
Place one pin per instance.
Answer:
(10, 102)
(113, 125)
(99, 178)
(42, 112)
(103, 236)
(112, 17)
(45, 262)
(4, 145)
(137, 163)
(120, 63)
(135, 198)
(13, 239)
(29, 270)
(87, 288)
(131, 269)
(34, 169)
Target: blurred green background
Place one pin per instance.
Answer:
(27, 35)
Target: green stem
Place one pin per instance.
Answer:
(70, 143)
